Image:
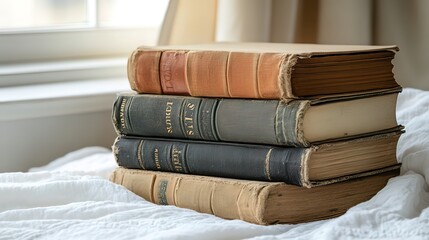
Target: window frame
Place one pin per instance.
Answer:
(106, 49)
(67, 44)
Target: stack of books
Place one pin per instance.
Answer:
(262, 132)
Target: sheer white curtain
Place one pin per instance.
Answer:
(404, 23)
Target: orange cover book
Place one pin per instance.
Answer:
(262, 70)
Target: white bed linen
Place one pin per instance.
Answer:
(71, 199)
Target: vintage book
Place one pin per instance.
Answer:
(251, 201)
(273, 122)
(262, 70)
(313, 166)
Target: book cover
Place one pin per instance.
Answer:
(308, 167)
(262, 70)
(251, 201)
(296, 123)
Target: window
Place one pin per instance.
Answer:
(30, 15)
(38, 37)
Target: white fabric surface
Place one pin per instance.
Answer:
(68, 203)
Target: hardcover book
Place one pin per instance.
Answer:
(262, 70)
(308, 167)
(251, 201)
(273, 122)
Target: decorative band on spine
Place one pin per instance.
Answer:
(286, 123)
(267, 164)
(206, 119)
(172, 73)
(278, 124)
(140, 154)
(227, 86)
(126, 115)
(299, 133)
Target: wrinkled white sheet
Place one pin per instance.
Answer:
(75, 201)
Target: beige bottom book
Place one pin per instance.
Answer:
(252, 201)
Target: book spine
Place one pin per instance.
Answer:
(251, 201)
(211, 73)
(226, 199)
(230, 120)
(252, 162)
(143, 71)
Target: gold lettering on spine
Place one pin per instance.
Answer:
(121, 113)
(167, 73)
(176, 160)
(189, 124)
(156, 157)
(191, 106)
(168, 110)
(189, 120)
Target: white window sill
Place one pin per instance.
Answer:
(43, 100)
(20, 74)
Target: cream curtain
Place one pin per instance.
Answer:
(401, 22)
